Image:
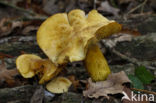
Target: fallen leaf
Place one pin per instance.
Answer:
(106, 7)
(113, 85)
(7, 26)
(7, 75)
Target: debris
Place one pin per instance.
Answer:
(105, 6)
(113, 85)
(38, 95)
(7, 75)
(7, 26)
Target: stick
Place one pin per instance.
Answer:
(145, 91)
(17, 8)
(133, 60)
(137, 7)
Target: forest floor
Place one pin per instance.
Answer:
(131, 48)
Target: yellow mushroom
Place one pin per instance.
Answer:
(96, 63)
(59, 85)
(26, 65)
(29, 65)
(48, 71)
(66, 37)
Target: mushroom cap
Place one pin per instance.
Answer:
(25, 65)
(59, 85)
(64, 37)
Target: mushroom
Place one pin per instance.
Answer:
(96, 63)
(29, 65)
(59, 85)
(73, 37)
(26, 65)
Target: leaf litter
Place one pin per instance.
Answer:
(113, 85)
(7, 75)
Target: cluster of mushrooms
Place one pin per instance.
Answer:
(67, 38)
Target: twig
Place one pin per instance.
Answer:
(34, 16)
(137, 7)
(94, 4)
(18, 39)
(145, 91)
(17, 8)
(142, 8)
(133, 60)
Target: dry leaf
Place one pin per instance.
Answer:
(7, 75)
(7, 26)
(105, 6)
(113, 85)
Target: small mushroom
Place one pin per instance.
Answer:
(59, 85)
(68, 37)
(26, 65)
(29, 65)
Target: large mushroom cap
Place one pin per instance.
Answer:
(26, 64)
(64, 37)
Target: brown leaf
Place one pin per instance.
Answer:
(7, 75)
(7, 26)
(113, 85)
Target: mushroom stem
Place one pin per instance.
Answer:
(96, 63)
